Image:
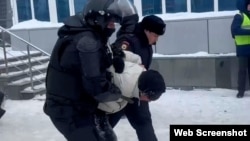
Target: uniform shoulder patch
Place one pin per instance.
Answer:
(125, 45)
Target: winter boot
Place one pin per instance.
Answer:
(103, 129)
(109, 132)
(98, 128)
(240, 94)
(1, 98)
(2, 111)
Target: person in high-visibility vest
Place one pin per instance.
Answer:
(240, 30)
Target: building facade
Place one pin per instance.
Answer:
(5, 14)
(57, 10)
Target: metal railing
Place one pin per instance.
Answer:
(29, 48)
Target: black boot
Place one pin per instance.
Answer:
(2, 111)
(100, 134)
(1, 97)
(240, 94)
(109, 132)
(103, 129)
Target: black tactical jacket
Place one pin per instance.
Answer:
(76, 77)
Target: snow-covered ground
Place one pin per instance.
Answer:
(25, 120)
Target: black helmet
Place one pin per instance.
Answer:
(100, 12)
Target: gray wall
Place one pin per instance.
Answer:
(205, 72)
(43, 38)
(219, 34)
(211, 35)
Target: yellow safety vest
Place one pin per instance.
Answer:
(243, 39)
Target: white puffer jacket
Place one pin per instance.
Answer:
(126, 81)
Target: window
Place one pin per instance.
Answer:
(173, 6)
(41, 8)
(62, 9)
(151, 7)
(227, 5)
(202, 5)
(23, 10)
(79, 5)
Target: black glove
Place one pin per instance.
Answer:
(118, 61)
(117, 50)
(118, 64)
(103, 129)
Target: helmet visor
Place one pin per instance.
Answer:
(122, 8)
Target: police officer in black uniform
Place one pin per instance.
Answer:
(139, 38)
(77, 79)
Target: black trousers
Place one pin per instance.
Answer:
(1, 98)
(243, 72)
(139, 117)
(2, 111)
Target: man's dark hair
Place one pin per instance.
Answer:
(152, 84)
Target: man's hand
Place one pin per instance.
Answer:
(117, 51)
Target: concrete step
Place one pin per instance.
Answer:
(17, 83)
(13, 76)
(23, 64)
(13, 56)
(16, 89)
(29, 93)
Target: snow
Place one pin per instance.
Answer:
(25, 120)
(11, 53)
(197, 54)
(30, 24)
